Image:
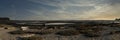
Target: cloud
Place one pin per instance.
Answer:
(67, 9)
(62, 9)
(77, 9)
(104, 12)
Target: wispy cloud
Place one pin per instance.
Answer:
(65, 9)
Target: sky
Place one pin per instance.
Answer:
(60, 9)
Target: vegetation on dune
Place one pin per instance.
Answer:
(68, 32)
(31, 38)
(88, 30)
(114, 32)
(31, 32)
(92, 34)
(17, 32)
(44, 32)
(94, 31)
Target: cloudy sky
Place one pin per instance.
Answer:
(60, 9)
